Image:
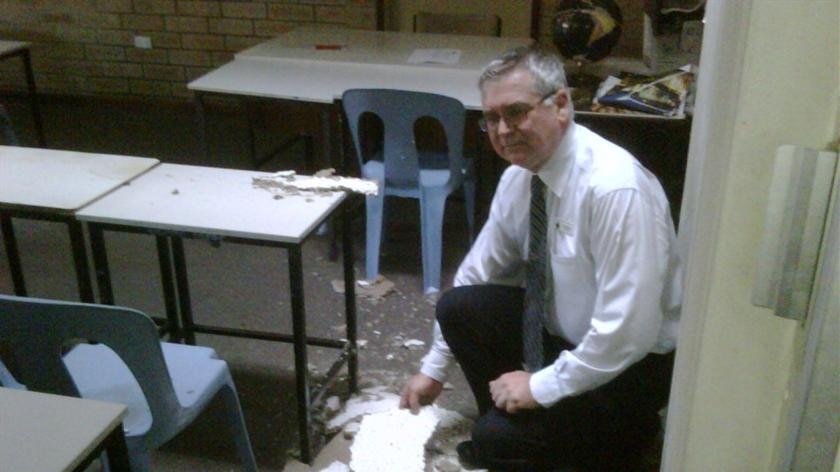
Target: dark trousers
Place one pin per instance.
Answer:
(604, 429)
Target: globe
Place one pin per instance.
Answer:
(586, 30)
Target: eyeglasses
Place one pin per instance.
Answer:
(513, 114)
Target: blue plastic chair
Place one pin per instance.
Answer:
(404, 171)
(164, 386)
(6, 127)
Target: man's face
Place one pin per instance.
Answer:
(537, 123)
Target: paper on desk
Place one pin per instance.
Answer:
(435, 56)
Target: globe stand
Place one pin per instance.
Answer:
(583, 85)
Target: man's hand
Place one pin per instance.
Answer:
(512, 392)
(419, 391)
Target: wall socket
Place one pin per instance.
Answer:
(143, 42)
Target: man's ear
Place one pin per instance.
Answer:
(564, 106)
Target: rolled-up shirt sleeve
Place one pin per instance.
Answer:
(630, 265)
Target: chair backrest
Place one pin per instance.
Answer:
(9, 137)
(399, 111)
(475, 24)
(37, 332)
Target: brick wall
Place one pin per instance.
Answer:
(86, 47)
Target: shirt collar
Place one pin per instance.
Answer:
(555, 172)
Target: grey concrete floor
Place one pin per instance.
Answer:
(237, 285)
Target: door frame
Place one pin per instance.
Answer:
(718, 85)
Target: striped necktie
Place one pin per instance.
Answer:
(535, 280)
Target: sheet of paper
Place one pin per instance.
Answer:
(435, 56)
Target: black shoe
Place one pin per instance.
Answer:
(468, 457)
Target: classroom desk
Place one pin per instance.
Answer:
(43, 432)
(46, 184)
(177, 201)
(317, 65)
(21, 48)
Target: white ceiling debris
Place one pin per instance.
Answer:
(393, 440)
(413, 343)
(288, 182)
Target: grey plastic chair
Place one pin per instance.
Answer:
(165, 386)
(9, 137)
(403, 171)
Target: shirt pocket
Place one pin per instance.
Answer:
(564, 244)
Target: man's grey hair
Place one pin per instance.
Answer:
(547, 68)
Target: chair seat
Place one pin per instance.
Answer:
(375, 170)
(194, 371)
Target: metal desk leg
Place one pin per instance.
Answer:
(77, 242)
(201, 126)
(100, 264)
(251, 118)
(182, 284)
(169, 290)
(12, 254)
(301, 370)
(33, 98)
(117, 450)
(350, 295)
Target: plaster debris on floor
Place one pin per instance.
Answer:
(289, 183)
(374, 290)
(371, 434)
(393, 440)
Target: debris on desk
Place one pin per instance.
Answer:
(324, 181)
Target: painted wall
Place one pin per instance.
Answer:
(788, 94)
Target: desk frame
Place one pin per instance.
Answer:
(114, 446)
(177, 298)
(77, 244)
(256, 159)
(32, 92)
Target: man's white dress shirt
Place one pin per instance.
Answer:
(615, 271)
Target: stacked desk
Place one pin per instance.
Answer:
(42, 432)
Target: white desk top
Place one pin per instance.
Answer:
(322, 82)
(8, 47)
(290, 67)
(62, 180)
(40, 432)
(379, 47)
(212, 201)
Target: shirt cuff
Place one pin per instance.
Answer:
(544, 387)
(435, 365)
